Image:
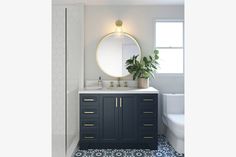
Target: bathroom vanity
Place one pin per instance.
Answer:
(117, 115)
(118, 118)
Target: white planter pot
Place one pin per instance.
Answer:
(143, 83)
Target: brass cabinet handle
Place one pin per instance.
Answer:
(89, 137)
(89, 124)
(120, 102)
(147, 125)
(148, 137)
(88, 100)
(148, 112)
(116, 102)
(86, 112)
(148, 100)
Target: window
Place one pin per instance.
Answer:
(169, 42)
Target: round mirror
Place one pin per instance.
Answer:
(113, 51)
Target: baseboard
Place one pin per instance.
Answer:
(71, 149)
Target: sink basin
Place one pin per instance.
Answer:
(119, 88)
(110, 88)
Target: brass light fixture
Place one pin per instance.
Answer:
(119, 25)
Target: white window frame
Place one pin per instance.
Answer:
(170, 20)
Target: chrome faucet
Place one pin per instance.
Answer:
(111, 84)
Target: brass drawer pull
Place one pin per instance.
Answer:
(89, 124)
(88, 100)
(89, 137)
(148, 100)
(148, 137)
(120, 102)
(116, 102)
(147, 125)
(147, 112)
(86, 112)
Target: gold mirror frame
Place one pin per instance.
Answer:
(116, 33)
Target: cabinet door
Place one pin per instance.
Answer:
(109, 118)
(128, 119)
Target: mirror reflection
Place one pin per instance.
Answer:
(113, 51)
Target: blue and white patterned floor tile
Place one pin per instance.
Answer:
(164, 149)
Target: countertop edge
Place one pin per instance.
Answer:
(150, 90)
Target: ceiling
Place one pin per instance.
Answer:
(123, 2)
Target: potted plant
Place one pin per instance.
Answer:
(143, 69)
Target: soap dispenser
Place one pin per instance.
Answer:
(100, 82)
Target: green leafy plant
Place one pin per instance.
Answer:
(143, 68)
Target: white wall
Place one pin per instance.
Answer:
(138, 21)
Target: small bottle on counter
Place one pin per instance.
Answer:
(100, 82)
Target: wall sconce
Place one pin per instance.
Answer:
(119, 26)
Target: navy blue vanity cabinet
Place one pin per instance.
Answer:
(89, 118)
(148, 109)
(109, 119)
(118, 120)
(128, 117)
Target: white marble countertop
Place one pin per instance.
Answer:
(124, 90)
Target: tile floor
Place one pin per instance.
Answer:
(163, 150)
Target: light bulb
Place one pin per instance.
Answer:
(119, 26)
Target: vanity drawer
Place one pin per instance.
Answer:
(147, 102)
(147, 123)
(89, 100)
(148, 137)
(89, 124)
(147, 113)
(89, 136)
(89, 113)
(148, 98)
